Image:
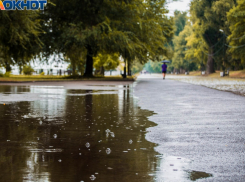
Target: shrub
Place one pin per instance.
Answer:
(42, 73)
(7, 74)
(1, 74)
(27, 70)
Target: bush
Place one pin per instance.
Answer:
(1, 74)
(27, 70)
(42, 73)
(7, 74)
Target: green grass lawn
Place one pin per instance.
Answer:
(24, 78)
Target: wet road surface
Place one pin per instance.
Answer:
(200, 130)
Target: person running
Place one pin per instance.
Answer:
(164, 70)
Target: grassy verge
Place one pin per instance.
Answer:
(238, 74)
(32, 78)
(232, 74)
(195, 73)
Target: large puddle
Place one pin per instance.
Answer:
(70, 135)
(73, 135)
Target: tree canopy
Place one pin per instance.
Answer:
(130, 28)
(207, 45)
(180, 48)
(90, 33)
(106, 62)
(19, 37)
(236, 19)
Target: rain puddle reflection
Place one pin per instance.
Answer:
(74, 135)
(57, 134)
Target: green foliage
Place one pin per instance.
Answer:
(236, 18)
(153, 67)
(131, 28)
(1, 74)
(27, 70)
(19, 37)
(94, 33)
(137, 67)
(203, 44)
(76, 56)
(7, 74)
(42, 73)
(106, 61)
(179, 61)
(195, 49)
(209, 30)
(180, 19)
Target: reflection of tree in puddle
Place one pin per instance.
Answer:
(52, 102)
(15, 136)
(13, 89)
(100, 135)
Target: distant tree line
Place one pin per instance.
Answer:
(212, 38)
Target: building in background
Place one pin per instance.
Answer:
(54, 66)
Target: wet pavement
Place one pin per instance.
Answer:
(200, 131)
(99, 131)
(234, 85)
(74, 133)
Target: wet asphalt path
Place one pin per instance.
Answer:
(203, 127)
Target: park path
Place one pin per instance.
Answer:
(199, 129)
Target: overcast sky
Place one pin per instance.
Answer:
(179, 5)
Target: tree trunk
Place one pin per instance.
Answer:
(102, 70)
(81, 69)
(20, 69)
(210, 62)
(89, 63)
(124, 75)
(73, 67)
(89, 105)
(8, 67)
(129, 69)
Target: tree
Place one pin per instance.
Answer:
(137, 66)
(76, 57)
(153, 67)
(19, 37)
(236, 18)
(27, 70)
(220, 9)
(209, 22)
(180, 19)
(106, 62)
(194, 51)
(123, 27)
(180, 49)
